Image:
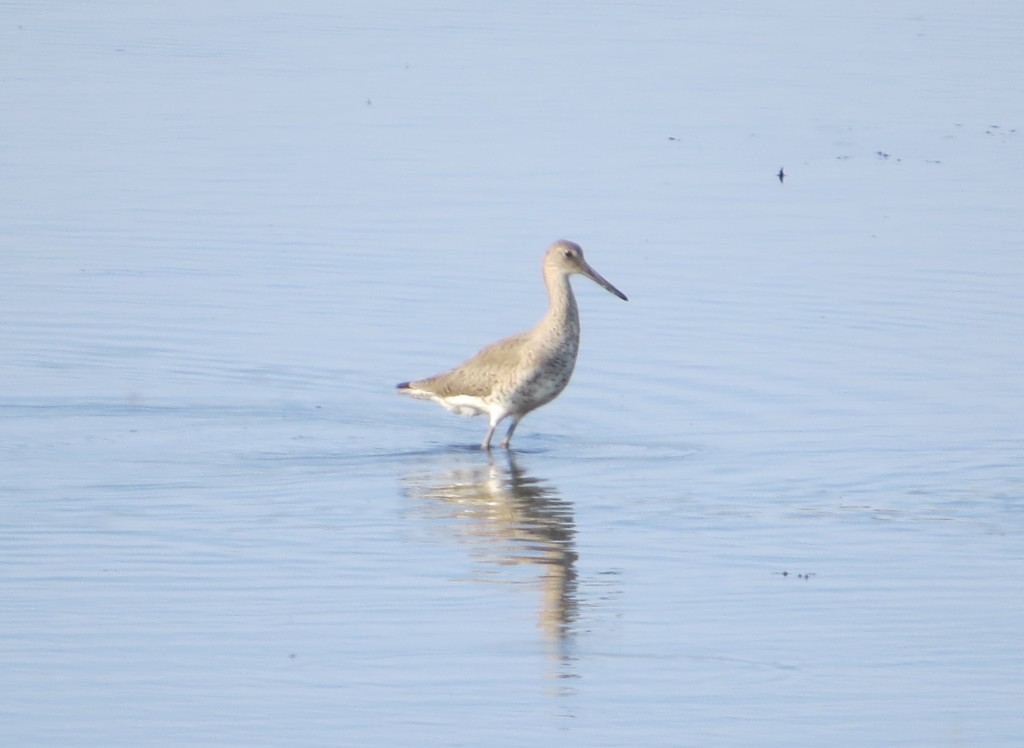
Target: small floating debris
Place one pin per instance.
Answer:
(805, 575)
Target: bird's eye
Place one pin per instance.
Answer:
(568, 253)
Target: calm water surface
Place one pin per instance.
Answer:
(781, 503)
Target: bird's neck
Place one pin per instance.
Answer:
(563, 315)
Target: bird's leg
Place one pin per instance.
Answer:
(495, 420)
(508, 435)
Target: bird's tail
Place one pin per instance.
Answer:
(410, 389)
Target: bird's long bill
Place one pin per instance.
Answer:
(599, 280)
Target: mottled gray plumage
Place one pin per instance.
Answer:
(516, 375)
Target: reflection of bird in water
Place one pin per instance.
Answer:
(519, 517)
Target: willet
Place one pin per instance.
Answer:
(516, 375)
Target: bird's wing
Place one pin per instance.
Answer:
(479, 375)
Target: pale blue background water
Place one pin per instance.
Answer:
(779, 505)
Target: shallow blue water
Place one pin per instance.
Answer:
(779, 504)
